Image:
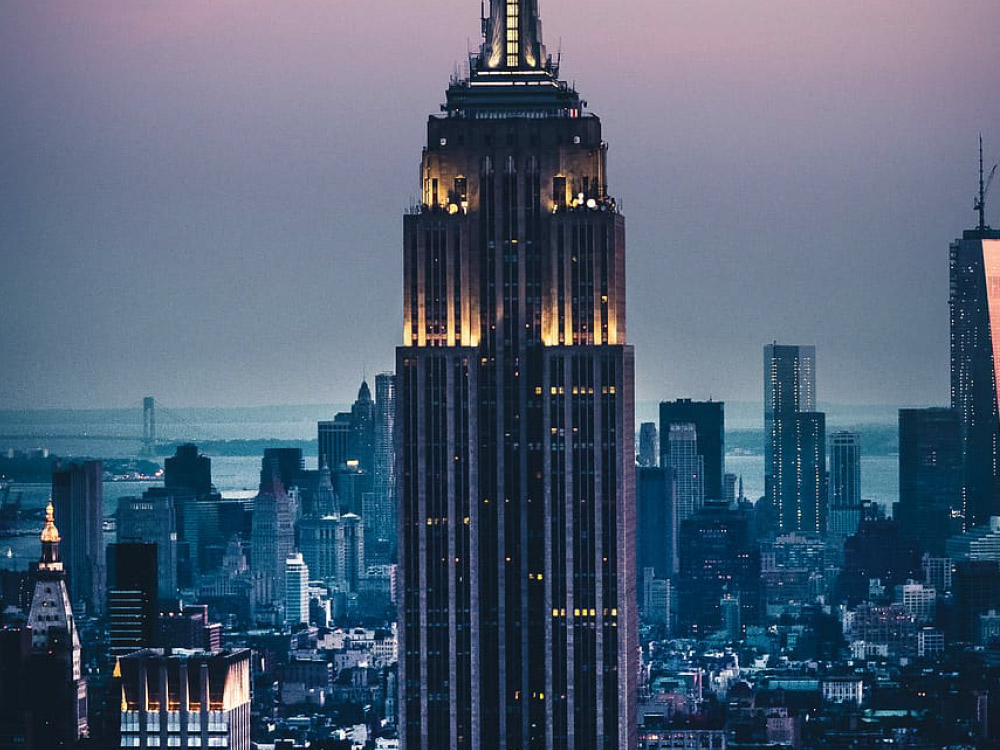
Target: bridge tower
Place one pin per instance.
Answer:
(149, 426)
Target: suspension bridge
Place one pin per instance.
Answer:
(179, 430)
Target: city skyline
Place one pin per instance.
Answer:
(142, 235)
(479, 553)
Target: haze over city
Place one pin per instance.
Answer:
(202, 200)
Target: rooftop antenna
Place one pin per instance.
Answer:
(984, 188)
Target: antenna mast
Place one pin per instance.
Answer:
(981, 203)
(984, 188)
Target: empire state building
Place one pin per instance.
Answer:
(515, 437)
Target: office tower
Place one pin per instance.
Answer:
(321, 540)
(845, 484)
(296, 590)
(845, 470)
(190, 628)
(880, 549)
(133, 596)
(930, 476)
(325, 499)
(290, 464)
(78, 498)
(56, 687)
(334, 441)
(729, 482)
(937, 572)
(718, 557)
(918, 599)
(688, 468)
(200, 542)
(811, 482)
(273, 535)
(382, 523)
(362, 443)
(515, 414)
(185, 699)
(351, 556)
(731, 617)
(15, 649)
(188, 470)
(658, 601)
(152, 519)
(980, 543)
(333, 548)
(649, 448)
(709, 420)
(350, 436)
(977, 591)
(656, 521)
(973, 303)
(795, 439)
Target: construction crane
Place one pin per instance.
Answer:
(979, 204)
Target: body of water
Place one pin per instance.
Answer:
(231, 474)
(75, 434)
(879, 477)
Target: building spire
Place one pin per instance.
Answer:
(513, 36)
(50, 537)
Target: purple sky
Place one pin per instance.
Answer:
(202, 200)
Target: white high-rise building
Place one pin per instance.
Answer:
(296, 590)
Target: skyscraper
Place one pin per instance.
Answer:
(845, 484)
(273, 534)
(362, 444)
(516, 447)
(186, 699)
(133, 597)
(334, 441)
(382, 545)
(845, 469)
(56, 685)
(152, 519)
(657, 520)
(974, 303)
(187, 469)
(649, 448)
(795, 439)
(688, 467)
(296, 590)
(188, 475)
(718, 556)
(78, 498)
(811, 485)
(709, 420)
(930, 476)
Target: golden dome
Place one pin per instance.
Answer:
(50, 533)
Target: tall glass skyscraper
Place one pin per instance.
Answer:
(515, 419)
(974, 303)
(845, 484)
(688, 467)
(709, 420)
(795, 439)
(78, 498)
(382, 546)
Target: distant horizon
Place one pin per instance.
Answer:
(740, 415)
